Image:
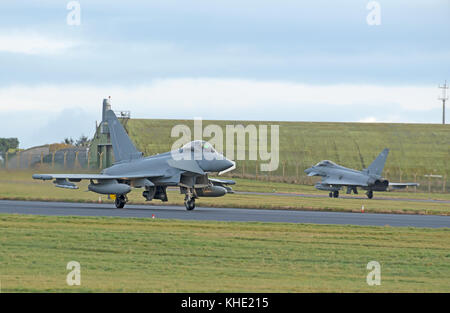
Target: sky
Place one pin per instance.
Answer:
(269, 60)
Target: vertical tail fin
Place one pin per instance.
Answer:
(123, 148)
(378, 164)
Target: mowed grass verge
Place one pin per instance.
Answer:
(18, 185)
(146, 255)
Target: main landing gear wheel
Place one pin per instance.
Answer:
(189, 204)
(330, 194)
(120, 201)
(369, 194)
(336, 194)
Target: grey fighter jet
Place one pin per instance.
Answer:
(186, 168)
(334, 177)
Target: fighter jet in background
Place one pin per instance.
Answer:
(154, 173)
(334, 177)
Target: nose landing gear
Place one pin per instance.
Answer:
(369, 194)
(189, 199)
(189, 203)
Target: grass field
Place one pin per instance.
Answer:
(19, 185)
(137, 255)
(416, 149)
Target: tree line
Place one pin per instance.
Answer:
(83, 141)
(8, 143)
(13, 143)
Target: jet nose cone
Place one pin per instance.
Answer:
(312, 171)
(220, 165)
(228, 166)
(225, 164)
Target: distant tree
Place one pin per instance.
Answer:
(68, 141)
(83, 141)
(8, 143)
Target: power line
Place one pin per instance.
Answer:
(444, 98)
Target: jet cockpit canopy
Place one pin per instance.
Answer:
(326, 163)
(198, 145)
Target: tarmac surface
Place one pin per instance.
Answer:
(361, 196)
(221, 214)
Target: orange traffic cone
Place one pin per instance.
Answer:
(362, 209)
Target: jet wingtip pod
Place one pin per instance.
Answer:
(42, 176)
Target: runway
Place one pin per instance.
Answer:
(222, 214)
(360, 197)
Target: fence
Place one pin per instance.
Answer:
(288, 172)
(61, 159)
(293, 172)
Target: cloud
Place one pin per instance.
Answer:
(72, 122)
(53, 106)
(369, 119)
(32, 43)
(208, 93)
(386, 119)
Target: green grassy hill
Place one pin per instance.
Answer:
(416, 149)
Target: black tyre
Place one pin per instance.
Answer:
(336, 194)
(189, 204)
(370, 194)
(120, 202)
(331, 195)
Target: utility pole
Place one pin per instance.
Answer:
(444, 98)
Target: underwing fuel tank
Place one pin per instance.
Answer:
(63, 183)
(320, 186)
(110, 188)
(213, 191)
